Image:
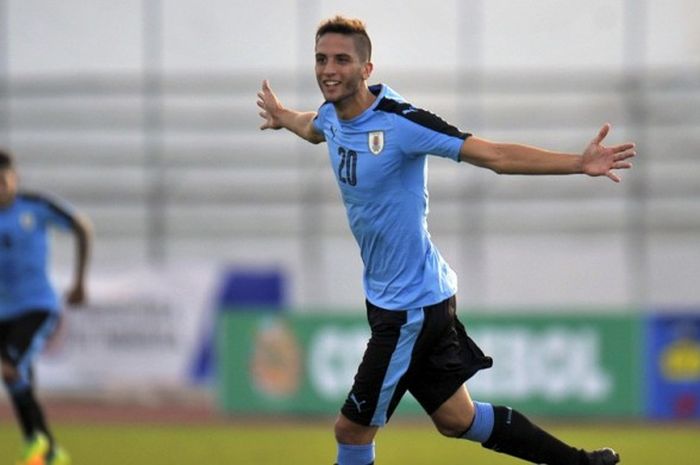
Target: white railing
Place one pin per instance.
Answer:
(179, 166)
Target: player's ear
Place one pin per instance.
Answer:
(367, 70)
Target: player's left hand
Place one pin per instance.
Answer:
(599, 160)
(76, 296)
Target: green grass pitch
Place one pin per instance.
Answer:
(304, 443)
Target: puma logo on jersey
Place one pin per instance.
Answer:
(357, 403)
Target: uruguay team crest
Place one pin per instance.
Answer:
(376, 142)
(27, 221)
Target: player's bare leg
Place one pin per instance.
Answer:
(456, 415)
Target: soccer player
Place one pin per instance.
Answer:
(378, 143)
(29, 308)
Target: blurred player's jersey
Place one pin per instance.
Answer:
(379, 160)
(24, 249)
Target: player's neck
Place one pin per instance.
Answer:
(355, 104)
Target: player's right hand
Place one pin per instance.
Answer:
(271, 107)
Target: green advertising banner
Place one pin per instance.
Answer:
(580, 364)
(558, 365)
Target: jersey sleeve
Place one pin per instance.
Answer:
(57, 213)
(423, 132)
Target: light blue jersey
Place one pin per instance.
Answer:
(24, 248)
(379, 160)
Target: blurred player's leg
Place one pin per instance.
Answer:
(58, 456)
(28, 411)
(35, 451)
(37, 434)
(22, 341)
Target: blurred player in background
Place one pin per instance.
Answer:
(378, 144)
(29, 307)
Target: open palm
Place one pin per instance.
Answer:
(599, 160)
(270, 106)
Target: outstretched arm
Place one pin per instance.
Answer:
(503, 158)
(82, 231)
(276, 116)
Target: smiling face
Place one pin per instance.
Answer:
(340, 71)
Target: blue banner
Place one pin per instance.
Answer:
(673, 366)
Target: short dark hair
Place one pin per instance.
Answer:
(6, 160)
(350, 27)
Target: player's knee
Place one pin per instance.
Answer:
(348, 432)
(454, 422)
(452, 429)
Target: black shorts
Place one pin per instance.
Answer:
(425, 351)
(22, 338)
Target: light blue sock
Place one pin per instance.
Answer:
(355, 455)
(482, 426)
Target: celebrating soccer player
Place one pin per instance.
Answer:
(377, 145)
